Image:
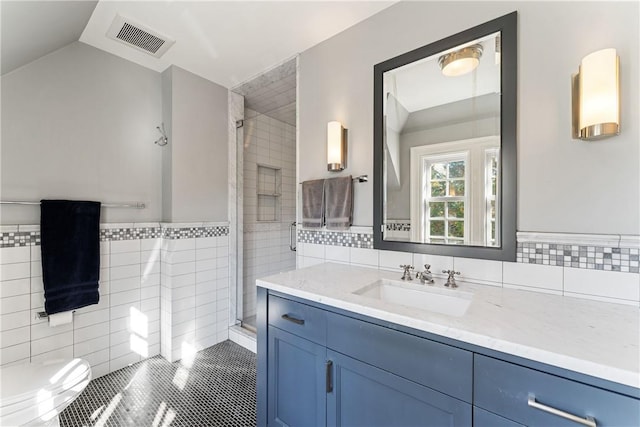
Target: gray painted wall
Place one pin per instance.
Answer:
(80, 123)
(564, 185)
(198, 143)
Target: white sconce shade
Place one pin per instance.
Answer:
(598, 96)
(336, 147)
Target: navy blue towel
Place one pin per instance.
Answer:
(70, 246)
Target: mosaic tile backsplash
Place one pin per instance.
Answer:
(336, 238)
(32, 238)
(577, 256)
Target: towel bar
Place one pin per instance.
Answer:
(361, 178)
(135, 205)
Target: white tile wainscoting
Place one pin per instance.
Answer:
(582, 281)
(187, 262)
(194, 294)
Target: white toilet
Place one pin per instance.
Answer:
(34, 394)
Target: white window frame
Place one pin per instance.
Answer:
(475, 185)
(489, 154)
(427, 162)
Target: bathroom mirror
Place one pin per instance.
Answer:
(445, 146)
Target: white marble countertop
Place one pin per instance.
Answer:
(590, 337)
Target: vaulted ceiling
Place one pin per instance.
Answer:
(227, 42)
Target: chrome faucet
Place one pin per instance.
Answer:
(425, 276)
(451, 280)
(407, 272)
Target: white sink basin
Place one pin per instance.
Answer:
(416, 295)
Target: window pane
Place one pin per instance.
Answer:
(438, 171)
(456, 169)
(456, 228)
(493, 230)
(436, 209)
(456, 188)
(493, 209)
(438, 188)
(455, 210)
(437, 228)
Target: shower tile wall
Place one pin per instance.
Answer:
(267, 142)
(125, 326)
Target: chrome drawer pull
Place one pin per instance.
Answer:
(293, 319)
(588, 421)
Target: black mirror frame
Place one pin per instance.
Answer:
(507, 25)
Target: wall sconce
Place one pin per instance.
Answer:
(596, 96)
(336, 147)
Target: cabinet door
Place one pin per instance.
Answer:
(364, 395)
(296, 381)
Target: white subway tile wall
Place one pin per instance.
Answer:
(194, 295)
(189, 275)
(621, 287)
(269, 167)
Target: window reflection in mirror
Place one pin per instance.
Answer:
(442, 147)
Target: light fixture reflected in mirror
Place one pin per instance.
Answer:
(461, 61)
(336, 147)
(596, 96)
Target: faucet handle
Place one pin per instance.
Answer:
(451, 281)
(407, 274)
(427, 267)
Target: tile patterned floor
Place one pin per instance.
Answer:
(218, 390)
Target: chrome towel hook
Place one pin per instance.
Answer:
(163, 140)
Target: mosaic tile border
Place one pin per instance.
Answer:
(194, 232)
(107, 234)
(19, 238)
(32, 238)
(398, 226)
(336, 238)
(579, 256)
(592, 257)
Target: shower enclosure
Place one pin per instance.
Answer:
(266, 153)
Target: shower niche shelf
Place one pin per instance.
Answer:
(268, 191)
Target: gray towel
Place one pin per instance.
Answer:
(313, 203)
(338, 194)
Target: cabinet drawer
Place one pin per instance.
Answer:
(438, 366)
(506, 389)
(299, 319)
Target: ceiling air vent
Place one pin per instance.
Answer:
(138, 36)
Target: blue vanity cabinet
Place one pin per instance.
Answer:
(320, 366)
(327, 369)
(363, 395)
